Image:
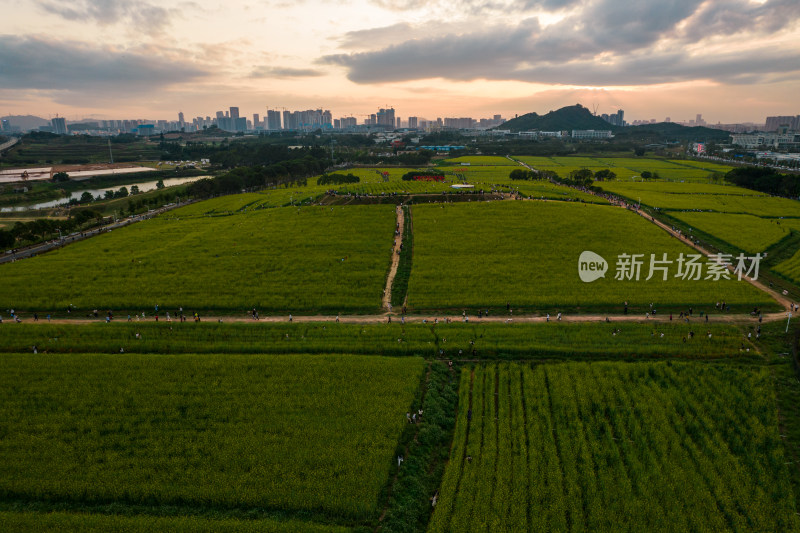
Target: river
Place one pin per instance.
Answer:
(144, 186)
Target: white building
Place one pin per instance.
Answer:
(591, 134)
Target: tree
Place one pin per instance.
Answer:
(60, 176)
(646, 174)
(639, 150)
(605, 174)
(160, 184)
(87, 197)
(121, 193)
(134, 189)
(582, 176)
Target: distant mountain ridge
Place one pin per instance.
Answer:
(574, 117)
(26, 122)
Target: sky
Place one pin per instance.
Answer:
(731, 60)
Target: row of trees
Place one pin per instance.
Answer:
(41, 229)
(256, 177)
(337, 179)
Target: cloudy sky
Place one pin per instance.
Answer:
(731, 60)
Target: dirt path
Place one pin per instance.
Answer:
(429, 319)
(781, 299)
(387, 292)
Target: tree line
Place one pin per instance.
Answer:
(765, 180)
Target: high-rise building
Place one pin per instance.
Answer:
(698, 121)
(773, 123)
(180, 118)
(412, 123)
(234, 113)
(287, 120)
(399, 123)
(256, 121)
(273, 120)
(385, 117)
(59, 125)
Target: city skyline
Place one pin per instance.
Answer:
(731, 61)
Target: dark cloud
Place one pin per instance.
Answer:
(36, 64)
(607, 42)
(144, 16)
(284, 72)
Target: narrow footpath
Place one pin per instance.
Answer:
(398, 242)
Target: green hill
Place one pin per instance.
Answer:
(574, 117)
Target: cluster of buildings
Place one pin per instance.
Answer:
(615, 119)
(281, 119)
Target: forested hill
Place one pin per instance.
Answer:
(574, 117)
(578, 117)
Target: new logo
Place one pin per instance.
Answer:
(591, 267)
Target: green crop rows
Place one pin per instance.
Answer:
(204, 430)
(98, 523)
(526, 254)
(694, 197)
(616, 447)
(746, 232)
(314, 258)
(455, 340)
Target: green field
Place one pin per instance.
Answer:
(204, 430)
(616, 447)
(526, 254)
(457, 340)
(790, 268)
(703, 197)
(98, 523)
(292, 260)
(627, 168)
(746, 232)
(489, 160)
(77, 149)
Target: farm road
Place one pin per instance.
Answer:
(398, 242)
(781, 299)
(384, 317)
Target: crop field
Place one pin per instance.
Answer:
(287, 259)
(313, 435)
(626, 168)
(790, 268)
(490, 340)
(746, 232)
(682, 190)
(98, 523)
(525, 254)
(616, 447)
(77, 149)
(489, 160)
(706, 165)
(545, 190)
(726, 201)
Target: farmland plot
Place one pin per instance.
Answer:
(746, 232)
(289, 259)
(294, 433)
(616, 447)
(525, 254)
